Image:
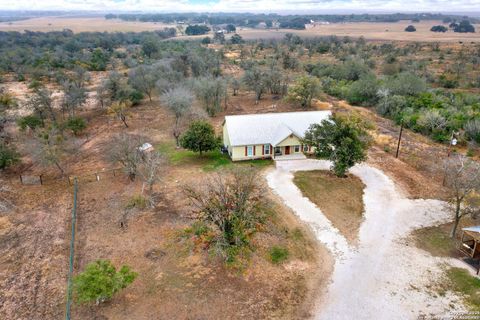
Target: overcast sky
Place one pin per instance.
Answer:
(281, 6)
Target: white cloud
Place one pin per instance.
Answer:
(311, 6)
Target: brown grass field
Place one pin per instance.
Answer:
(77, 24)
(371, 31)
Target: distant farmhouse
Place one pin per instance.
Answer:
(269, 135)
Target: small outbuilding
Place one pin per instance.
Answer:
(470, 242)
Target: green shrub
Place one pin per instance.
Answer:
(100, 281)
(135, 97)
(278, 254)
(8, 156)
(31, 122)
(76, 124)
(363, 91)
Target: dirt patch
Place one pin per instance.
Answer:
(340, 199)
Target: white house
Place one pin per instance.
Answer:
(268, 135)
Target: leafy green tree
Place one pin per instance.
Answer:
(342, 140)
(406, 84)
(463, 27)
(200, 137)
(439, 28)
(304, 90)
(410, 28)
(100, 281)
(236, 39)
(230, 28)
(150, 47)
(363, 91)
(99, 60)
(194, 30)
(8, 156)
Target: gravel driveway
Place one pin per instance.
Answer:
(382, 277)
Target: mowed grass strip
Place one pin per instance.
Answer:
(340, 199)
(209, 161)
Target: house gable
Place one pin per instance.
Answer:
(291, 140)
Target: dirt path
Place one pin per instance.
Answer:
(382, 278)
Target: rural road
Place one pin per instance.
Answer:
(382, 277)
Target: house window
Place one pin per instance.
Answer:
(305, 148)
(278, 151)
(250, 151)
(297, 149)
(267, 149)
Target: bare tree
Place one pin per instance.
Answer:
(152, 163)
(103, 96)
(126, 151)
(463, 179)
(6, 197)
(120, 109)
(232, 203)
(49, 148)
(235, 84)
(74, 95)
(41, 103)
(179, 100)
(256, 81)
(211, 91)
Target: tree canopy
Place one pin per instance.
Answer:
(304, 90)
(100, 281)
(200, 137)
(341, 139)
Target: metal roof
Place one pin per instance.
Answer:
(472, 229)
(270, 128)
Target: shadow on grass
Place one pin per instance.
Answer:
(209, 161)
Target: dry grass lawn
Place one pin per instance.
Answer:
(340, 199)
(387, 31)
(80, 24)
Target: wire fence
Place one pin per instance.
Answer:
(72, 251)
(84, 178)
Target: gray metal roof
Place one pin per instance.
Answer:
(472, 229)
(270, 128)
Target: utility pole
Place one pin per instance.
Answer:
(453, 142)
(399, 139)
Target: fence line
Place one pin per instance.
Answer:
(72, 251)
(84, 178)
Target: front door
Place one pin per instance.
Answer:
(287, 150)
